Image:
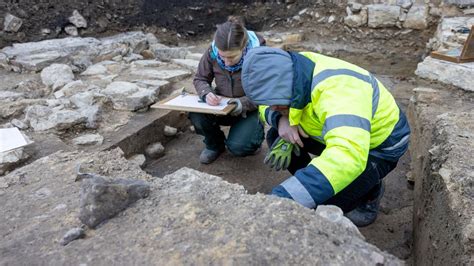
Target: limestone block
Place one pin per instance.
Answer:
(129, 96)
(171, 75)
(71, 88)
(78, 20)
(146, 63)
(135, 40)
(12, 23)
(187, 63)
(405, 4)
(357, 20)
(138, 159)
(88, 139)
(102, 199)
(71, 30)
(71, 235)
(97, 69)
(155, 150)
(355, 7)
(170, 131)
(57, 75)
(9, 159)
(380, 16)
(168, 53)
(151, 38)
(459, 75)
(417, 18)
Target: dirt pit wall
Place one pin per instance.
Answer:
(441, 150)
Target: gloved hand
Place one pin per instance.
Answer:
(238, 107)
(279, 155)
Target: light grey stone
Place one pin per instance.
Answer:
(12, 23)
(102, 199)
(172, 75)
(187, 63)
(78, 20)
(459, 75)
(380, 16)
(417, 18)
(129, 96)
(168, 53)
(10, 95)
(65, 119)
(445, 38)
(405, 4)
(57, 75)
(120, 88)
(71, 235)
(170, 131)
(19, 124)
(132, 57)
(357, 20)
(151, 39)
(71, 30)
(138, 159)
(71, 88)
(355, 7)
(335, 215)
(10, 159)
(156, 85)
(460, 3)
(135, 40)
(88, 139)
(97, 69)
(146, 63)
(155, 150)
(92, 114)
(331, 19)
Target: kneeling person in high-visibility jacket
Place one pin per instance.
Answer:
(335, 110)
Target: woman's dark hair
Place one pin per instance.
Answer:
(231, 35)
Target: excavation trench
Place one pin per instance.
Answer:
(391, 232)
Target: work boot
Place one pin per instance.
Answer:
(366, 213)
(208, 156)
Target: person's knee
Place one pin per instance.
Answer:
(239, 149)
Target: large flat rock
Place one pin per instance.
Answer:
(442, 143)
(188, 218)
(460, 75)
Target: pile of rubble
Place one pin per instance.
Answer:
(86, 84)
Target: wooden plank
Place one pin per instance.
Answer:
(163, 104)
(457, 55)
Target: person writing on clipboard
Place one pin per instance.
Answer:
(222, 63)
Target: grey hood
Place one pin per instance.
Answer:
(267, 76)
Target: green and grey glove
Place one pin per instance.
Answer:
(279, 155)
(238, 107)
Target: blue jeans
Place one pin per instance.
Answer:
(245, 135)
(364, 188)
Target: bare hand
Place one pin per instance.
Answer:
(213, 99)
(289, 133)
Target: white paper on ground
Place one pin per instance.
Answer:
(11, 138)
(189, 100)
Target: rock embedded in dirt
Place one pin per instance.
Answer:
(170, 131)
(88, 139)
(102, 198)
(12, 23)
(72, 234)
(78, 20)
(155, 150)
(138, 159)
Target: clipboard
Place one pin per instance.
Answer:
(189, 102)
(464, 55)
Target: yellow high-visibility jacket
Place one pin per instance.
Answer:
(339, 104)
